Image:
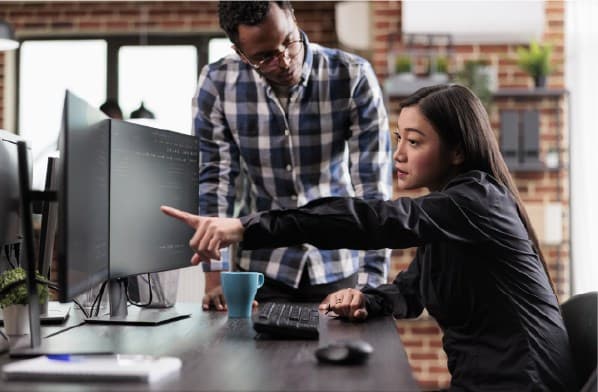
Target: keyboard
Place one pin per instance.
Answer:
(288, 320)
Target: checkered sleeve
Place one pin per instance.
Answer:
(371, 163)
(218, 154)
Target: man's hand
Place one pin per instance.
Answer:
(211, 234)
(349, 303)
(213, 297)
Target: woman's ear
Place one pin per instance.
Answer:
(457, 156)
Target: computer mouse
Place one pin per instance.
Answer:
(345, 352)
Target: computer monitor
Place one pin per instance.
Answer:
(10, 224)
(83, 198)
(112, 178)
(47, 234)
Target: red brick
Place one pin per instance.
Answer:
(423, 356)
(436, 344)
(90, 25)
(413, 343)
(426, 330)
(438, 369)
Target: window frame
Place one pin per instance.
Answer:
(114, 42)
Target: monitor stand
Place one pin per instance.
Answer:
(121, 314)
(32, 345)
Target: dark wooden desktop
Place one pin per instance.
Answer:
(219, 354)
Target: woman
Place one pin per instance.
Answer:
(478, 269)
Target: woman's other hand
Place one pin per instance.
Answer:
(348, 303)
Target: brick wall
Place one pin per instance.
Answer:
(421, 337)
(97, 18)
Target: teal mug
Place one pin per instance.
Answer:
(239, 289)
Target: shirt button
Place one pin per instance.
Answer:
(289, 167)
(286, 132)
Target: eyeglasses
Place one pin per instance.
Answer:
(271, 61)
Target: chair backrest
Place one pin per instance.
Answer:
(579, 313)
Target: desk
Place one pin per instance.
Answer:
(219, 354)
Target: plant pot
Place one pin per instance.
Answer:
(540, 81)
(16, 319)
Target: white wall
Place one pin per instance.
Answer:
(471, 21)
(581, 32)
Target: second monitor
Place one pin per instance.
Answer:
(113, 177)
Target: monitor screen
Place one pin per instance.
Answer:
(10, 221)
(83, 186)
(149, 167)
(112, 178)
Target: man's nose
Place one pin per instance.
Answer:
(284, 60)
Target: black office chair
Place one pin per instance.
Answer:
(579, 313)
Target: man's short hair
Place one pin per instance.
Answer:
(234, 13)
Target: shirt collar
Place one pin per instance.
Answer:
(307, 61)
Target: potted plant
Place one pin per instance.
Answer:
(14, 300)
(535, 61)
(475, 76)
(439, 71)
(441, 64)
(403, 64)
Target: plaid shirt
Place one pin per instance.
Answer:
(333, 140)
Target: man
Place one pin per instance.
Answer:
(295, 121)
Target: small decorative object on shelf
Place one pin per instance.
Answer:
(403, 64)
(14, 300)
(478, 76)
(535, 61)
(439, 70)
(441, 64)
(416, 61)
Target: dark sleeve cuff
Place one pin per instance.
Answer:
(253, 232)
(247, 220)
(384, 300)
(376, 306)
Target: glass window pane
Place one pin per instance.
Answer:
(46, 69)
(218, 48)
(163, 78)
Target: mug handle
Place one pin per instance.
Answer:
(260, 280)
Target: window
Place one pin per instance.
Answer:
(218, 48)
(164, 78)
(162, 73)
(520, 139)
(46, 69)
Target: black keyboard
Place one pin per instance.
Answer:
(287, 319)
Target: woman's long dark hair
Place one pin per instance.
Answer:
(462, 122)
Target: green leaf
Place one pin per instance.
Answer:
(535, 59)
(17, 294)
